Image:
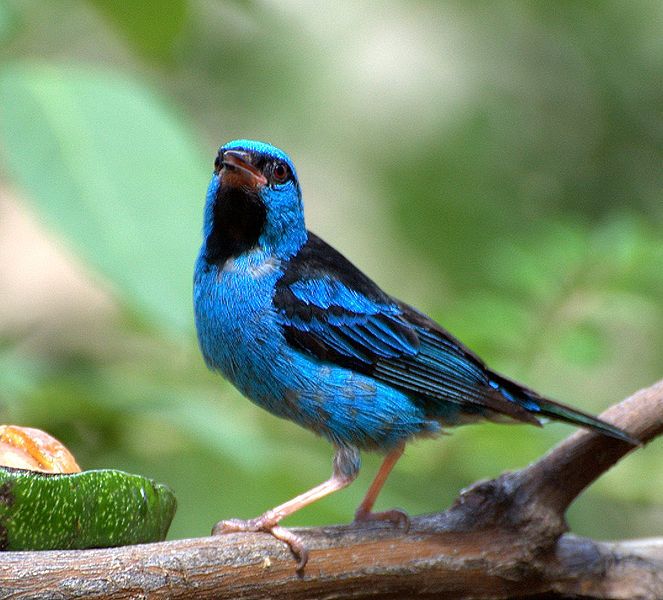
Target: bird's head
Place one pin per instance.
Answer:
(254, 200)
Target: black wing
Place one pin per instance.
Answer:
(332, 311)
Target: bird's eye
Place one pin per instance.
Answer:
(280, 172)
(218, 162)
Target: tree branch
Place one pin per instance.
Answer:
(579, 460)
(502, 538)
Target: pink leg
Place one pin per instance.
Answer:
(364, 513)
(346, 467)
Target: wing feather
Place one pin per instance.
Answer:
(332, 311)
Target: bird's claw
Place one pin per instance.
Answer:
(297, 546)
(238, 525)
(398, 517)
(266, 524)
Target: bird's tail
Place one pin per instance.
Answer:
(539, 406)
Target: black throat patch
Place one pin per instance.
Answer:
(238, 220)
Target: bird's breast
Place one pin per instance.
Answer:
(252, 270)
(235, 317)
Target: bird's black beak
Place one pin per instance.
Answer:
(237, 170)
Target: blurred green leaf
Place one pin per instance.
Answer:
(583, 344)
(8, 21)
(20, 376)
(151, 27)
(110, 167)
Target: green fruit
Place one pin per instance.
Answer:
(92, 509)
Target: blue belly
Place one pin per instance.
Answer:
(240, 336)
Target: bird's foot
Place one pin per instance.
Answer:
(395, 516)
(269, 524)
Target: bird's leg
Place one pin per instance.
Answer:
(345, 468)
(396, 516)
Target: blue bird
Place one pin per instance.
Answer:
(303, 333)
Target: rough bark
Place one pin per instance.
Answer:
(504, 538)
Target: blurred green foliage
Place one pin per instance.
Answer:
(128, 175)
(497, 164)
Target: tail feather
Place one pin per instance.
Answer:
(543, 407)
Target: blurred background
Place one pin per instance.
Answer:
(497, 164)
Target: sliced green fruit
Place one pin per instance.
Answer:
(92, 509)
